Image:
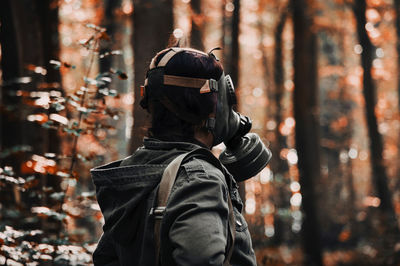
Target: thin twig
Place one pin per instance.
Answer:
(75, 143)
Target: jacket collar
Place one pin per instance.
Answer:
(155, 144)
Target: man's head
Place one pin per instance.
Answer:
(188, 95)
(178, 111)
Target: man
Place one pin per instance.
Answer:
(190, 101)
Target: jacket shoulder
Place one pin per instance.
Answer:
(200, 167)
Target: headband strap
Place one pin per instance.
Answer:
(171, 52)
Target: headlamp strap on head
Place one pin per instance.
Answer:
(205, 85)
(184, 81)
(171, 52)
(165, 59)
(153, 61)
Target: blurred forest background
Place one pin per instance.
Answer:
(319, 78)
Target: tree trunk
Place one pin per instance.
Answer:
(225, 41)
(21, 45)
(345, 104)
(10, 124)
(196, 35)
(306, 116)
(379, 175)
(29, 35)
(397, 10)
(231, 21)
(48, 18)
(279, 165)
(47, 13)
(110, 23)
(333, 140)
(235, 51)
(231, 57)
(152, 26)
(396, 4)
(118, 27)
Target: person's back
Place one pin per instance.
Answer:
(182, 97)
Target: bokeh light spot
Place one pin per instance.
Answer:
(178, 33)
(295, 200)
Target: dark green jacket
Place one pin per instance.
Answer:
(194, 230)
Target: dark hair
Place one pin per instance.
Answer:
(166, 125)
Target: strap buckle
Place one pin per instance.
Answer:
(210, 123)
(213, 84)
(158, 212)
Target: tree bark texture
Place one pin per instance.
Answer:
(306, 129)
(379, 175)
(152, 26)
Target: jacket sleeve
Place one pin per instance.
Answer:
(197, 217)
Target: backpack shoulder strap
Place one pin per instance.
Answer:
(166, 184)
